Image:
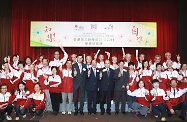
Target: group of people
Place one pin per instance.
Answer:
(38, 86)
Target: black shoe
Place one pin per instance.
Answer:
(95, 113)
(55, 113)
(116, 113)
(182, 117)
(82, 113)
(102, 113)
(123, 112)
(169, 115)
(89, 113)
(76, 112)
(108, 113)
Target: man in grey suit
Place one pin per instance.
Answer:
(79, 73)
(121, 77)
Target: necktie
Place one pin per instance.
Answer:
(121, 72)
(94, 72)
(80, 68)
(108, 72)
(174, 92)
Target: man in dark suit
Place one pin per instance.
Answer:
(106, 86)
(79, 73)
(92, 87)
(121, 77)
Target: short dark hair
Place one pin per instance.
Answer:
(41, 55)
(3, 85)
(5, 62)
(121, 61)
(27, 58)
(154, 81)
(131, 63)
(158, 64)
(79, 55)
(143, 63)
(54, 67)
(37, 84)
(173, 79)
(21, 62)
(25, 89)
(15, 55)
(139, 82)
(45, 59)
(56, 51)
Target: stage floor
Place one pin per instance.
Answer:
(129, 117)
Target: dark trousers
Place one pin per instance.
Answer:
(181, 106)
(123, 96)
(160, 109)
(56, 99)
(18, 111)
(75, 98)
(37, 112)
(130, 100)
(103, 96)
(92, 98)
(7, 110)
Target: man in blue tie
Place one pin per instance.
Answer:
(92, 87)
(106, 86)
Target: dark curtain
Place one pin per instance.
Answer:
(164, 12)
(5, 22)
(182, 30)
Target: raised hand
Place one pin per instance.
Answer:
(62, 48)
(18, 57)
(5, 59)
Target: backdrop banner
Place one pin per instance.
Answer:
(93, 34)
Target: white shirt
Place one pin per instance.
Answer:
(57, 62)
(100, 64)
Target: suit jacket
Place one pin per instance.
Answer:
(106, 82)
(80, 78)
(92, 81)
(120, 81)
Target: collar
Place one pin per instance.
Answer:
(56, 59)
